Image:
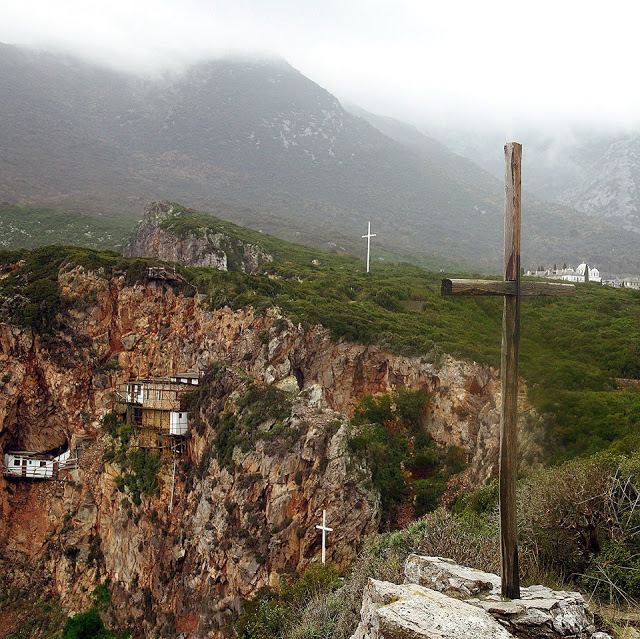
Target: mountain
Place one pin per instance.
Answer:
(256, 142)
(595, 172)
(610, 186)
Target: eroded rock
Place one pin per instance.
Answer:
(156, 237)
(233, 529)
(390, 611)
(463, 602)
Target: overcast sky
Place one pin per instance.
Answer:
(421, 60)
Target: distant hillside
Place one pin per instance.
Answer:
(25, 227)
(595, 172)
(258, 143)
(609, 186)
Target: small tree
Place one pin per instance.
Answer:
(86, 625)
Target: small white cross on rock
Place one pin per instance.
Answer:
(325, 529)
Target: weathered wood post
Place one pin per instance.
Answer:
(512, 290)
(509, 373)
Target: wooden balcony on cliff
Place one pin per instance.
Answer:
(158, 408)
(27, 464)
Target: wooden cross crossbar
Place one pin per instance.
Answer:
(489, 287)
(512, 289)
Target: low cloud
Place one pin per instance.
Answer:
(463, 62)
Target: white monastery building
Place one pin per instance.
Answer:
(34, 465)
(580, 274)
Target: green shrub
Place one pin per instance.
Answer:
(613, 575)
(384, 451)
(260, 403)
(273, 612)
(85, 625)
(406, 464)
(101, 595)
(428, 493)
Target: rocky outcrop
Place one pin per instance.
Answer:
(442, 600)
(163, 235)
(234, 526)
(237, 527)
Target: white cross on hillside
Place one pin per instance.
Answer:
(369, 235)
(325, 529)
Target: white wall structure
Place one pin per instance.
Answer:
(135, 392)
(594, 273)
(178, 423)
(187, 378)
(33, 465)
(578, 275)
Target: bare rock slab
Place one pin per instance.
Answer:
(445, 575)
(539, 613)
(391, 611)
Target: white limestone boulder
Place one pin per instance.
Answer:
(446, 576)
(391, 611)
(539, 613)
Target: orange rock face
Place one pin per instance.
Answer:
(233, 529)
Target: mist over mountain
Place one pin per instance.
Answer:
(256, 142)
(595, 171)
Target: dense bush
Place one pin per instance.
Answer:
(272, 612)
(260, 404)
(85, 625)
(406, 464)
(140, 474)
(581, 521)
(139, 468)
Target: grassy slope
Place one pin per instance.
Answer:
(571, 349)
(26, 227)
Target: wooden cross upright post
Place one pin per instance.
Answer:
(512, 289)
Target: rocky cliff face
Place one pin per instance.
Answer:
(609, 186)
(160, 234)
(236, 523)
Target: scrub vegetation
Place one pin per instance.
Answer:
(23, 227)
(407, 466)
(572, 353)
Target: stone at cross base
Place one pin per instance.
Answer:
(443, 600)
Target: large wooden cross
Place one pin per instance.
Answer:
(512, 289)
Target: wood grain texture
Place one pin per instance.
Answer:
(509, 375)
(493, 287)
(512, 211)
